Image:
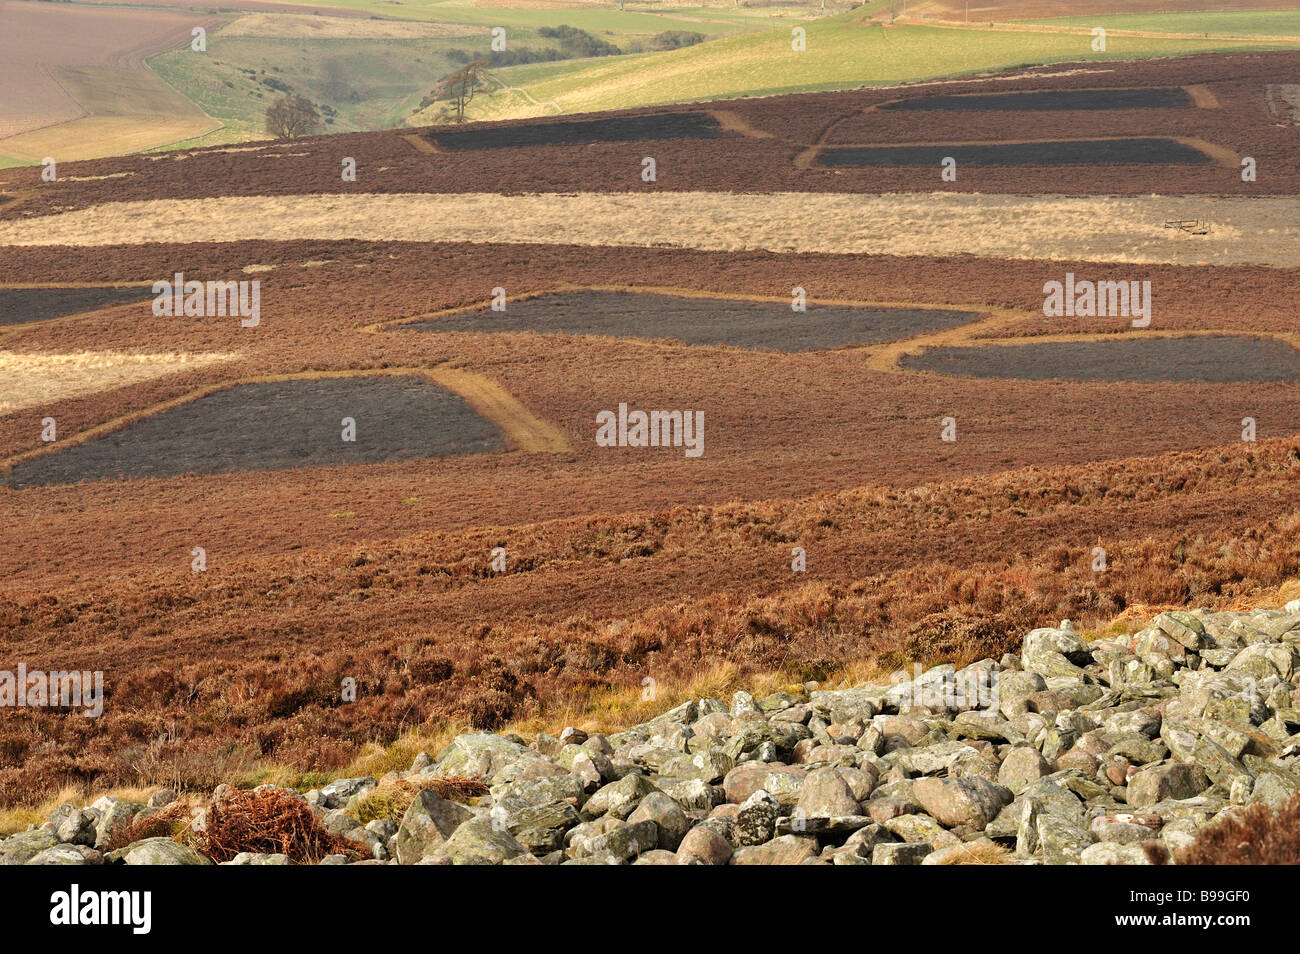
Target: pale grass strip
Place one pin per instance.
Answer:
(38, 380)
(1245, 231)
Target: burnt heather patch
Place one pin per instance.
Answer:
(583, 131)
(277, 425)
(22, 305)
(1167, 97)
(1209, 359)
(1079, 152)
(756, 325)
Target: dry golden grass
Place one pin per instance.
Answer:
(1262, 231)
(95, 137)
(17, 819)
(391, 799)
(981, 852)
(32, 380)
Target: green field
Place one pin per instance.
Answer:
(842, 52)
(1235, 22)
(638, 18)
(372, 83)
(369, 84)
(377, 83)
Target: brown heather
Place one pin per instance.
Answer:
(1256, 835)
(211, 676)
(621, 565)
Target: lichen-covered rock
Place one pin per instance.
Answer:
(1165, 780)
(428, 823)
(920, 829)
(900, 854)
(20, 848)
(480, 842)
(756, 820)
(156, 851)
(967, 802)
(337, 793)
(259, 858)
(782, 850)
(67, 855)
(619, 799)
(481, 755)
(671, 823)
(826, 794)
(115, 816)
(1062, 843)
(1112, 853)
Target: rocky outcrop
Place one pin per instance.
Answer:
(1072, 752)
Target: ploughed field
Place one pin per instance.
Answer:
(476, 437)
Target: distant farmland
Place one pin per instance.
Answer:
(77, 86)
(839, 54)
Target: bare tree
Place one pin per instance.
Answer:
(459, 87)
(292, 116)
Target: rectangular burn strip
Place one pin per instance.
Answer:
(22, 305)
(1166, 97)
(1085, 152)
(583, 131)
(277, 425)
(757, 325)
(1206, 359)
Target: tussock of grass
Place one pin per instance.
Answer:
(981, 852)
(391, 799)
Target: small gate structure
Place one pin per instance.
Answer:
(1192, 226)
